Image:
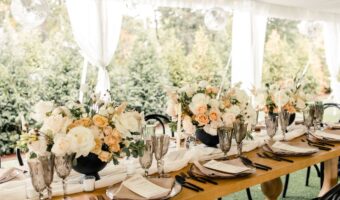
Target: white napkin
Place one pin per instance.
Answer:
(141, 186)
(110, 180)
(224, 167)
(291, 148)
(333, 125)
(321, 134)
(293, 132)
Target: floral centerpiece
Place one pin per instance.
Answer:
(196, 107)
(286, 95)
(100, 129)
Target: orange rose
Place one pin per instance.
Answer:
(98, 147)
(211, 90)
(100, 121)
(86, 122)
(290, 108)
(213, 115)
(108, 130)
(112, 142)
(202, 119)
(104, 156)
(226, 103)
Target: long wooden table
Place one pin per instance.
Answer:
(270, 181)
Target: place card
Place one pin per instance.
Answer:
(296, 149)
(141, 186)
(327, 135)
(224, 167)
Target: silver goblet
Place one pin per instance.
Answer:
(271, 125)
(149, 130)
(160, 148)
(146, 160)
(308, 115)
(284, 117)
(47, 162)
(225, 136)
(37, 176)
(63, 167)
(240, 132)
(318, 115)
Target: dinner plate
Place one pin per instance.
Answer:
(280, 152)
(176, 189)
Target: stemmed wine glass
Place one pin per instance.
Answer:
(63, 167)
(225, 136)
(146, 160)
(271, 125)
(37, 176)
(47, 162)
(318, 115)
(253, 125)
(284, 117)
(240, 132)
(308, 115)
(160, 148)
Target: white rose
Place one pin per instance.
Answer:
(62, 110)
(203, 84)
(198, 101)
(129, 122)
(62, 145)
(214, 103)
(188, 127)
(103, 111)
(234, 109)
(82, 140)
(241, 95)
(110, 110)
(40, 110)
(39, 147)
(56, 124)
(281, 98)
(188, 90)
(228, 119)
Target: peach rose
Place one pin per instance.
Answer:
(112, 142)
(227, 103)
(120, 109)
(213, 115)
(98, 146)
(104, 156)
(290, 108)
(202, 119)
(108, 130)
(100, 121)
(211, 90)
(86, 122)
(202, 109)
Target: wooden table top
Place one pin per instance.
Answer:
(228, 186)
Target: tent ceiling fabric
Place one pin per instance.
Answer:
(324, 10)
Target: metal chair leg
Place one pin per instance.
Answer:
(249, 194)
(318, 172)
(219, 198)
(307, 176)
(285, 188)
(321, 173)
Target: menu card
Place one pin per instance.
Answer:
(141, 186)
(224, 167)
(288, 147)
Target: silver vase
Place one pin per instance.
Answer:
(37, 176)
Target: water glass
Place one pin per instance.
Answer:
(47, 162)
(308, 115)
(271, 125)
(225, 136)
(37, 176)
(318, 115)
(63, 167)
(284, 117)
(240, 132)
(160, 148)
(146, 160)
(149, 130)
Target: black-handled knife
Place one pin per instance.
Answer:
(181, 179)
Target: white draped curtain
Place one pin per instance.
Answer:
(96, 28)
(331, 32)
(248, 37)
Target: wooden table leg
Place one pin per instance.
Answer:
(272, 189)
(330, 175)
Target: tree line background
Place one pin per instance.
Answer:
(171, 48)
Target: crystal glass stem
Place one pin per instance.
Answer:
(146, 172)
(64, 188)
(49, 192)
(159, 167)
(239, 149)
(41, 196)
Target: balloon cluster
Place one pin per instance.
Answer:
(29, 13)
(215, 19)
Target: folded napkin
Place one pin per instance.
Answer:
(294, 131)
(140, 188)
(333, 125)
(232, 168)
(283, 146)
(18, 191)
(322, 134)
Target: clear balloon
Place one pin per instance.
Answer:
(29, 13)
(215, 19)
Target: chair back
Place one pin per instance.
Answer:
(162, 119)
